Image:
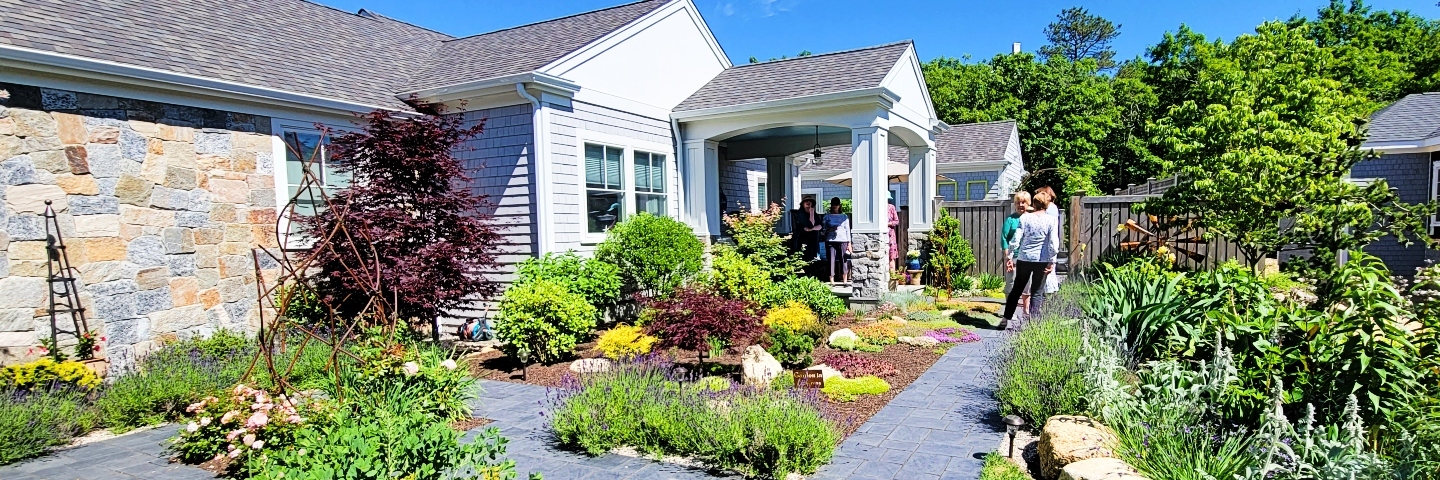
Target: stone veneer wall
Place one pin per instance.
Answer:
(159, 205)
(869, 267)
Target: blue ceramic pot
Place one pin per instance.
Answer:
(914, 264)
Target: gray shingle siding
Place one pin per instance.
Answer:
(991, 178)
(501, 167)
(1409, 174)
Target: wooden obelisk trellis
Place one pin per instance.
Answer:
(64, 296)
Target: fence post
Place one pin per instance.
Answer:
(1077, 212)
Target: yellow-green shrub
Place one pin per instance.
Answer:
(843, 389)
(795, 317)
(45, 370)
(878, 333)
(625, 341)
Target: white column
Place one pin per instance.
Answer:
(922, 189)
(700, 175)
(868, 192)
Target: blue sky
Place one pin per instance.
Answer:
(771, 28)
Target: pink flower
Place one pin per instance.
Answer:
(259, 419)
(449, 364)
(230, 437)
(228, 416)
(205, 421)
(192, 427)
(294, 419)
(240, 389)
(258, 444)
(411, 368)
(248, 439)
(234, 453)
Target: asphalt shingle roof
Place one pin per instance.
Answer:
(1415, 117)
(974, 142)
(797, 77)
(296, 45)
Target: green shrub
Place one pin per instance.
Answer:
(597, 281)
(304, 305)
(32, 422)
(755, 240)
(544, 319)
(809, 291)
(989, 281)
(792, 349)
(735, 276)
(1040, 372)
(713, 384)
(766, 432)
(998, 467)
(950, 254)
(847, 389)
(654, 254)
(174, 377)
(851, 345)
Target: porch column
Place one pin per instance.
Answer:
(922, 189)
(777, 183)
(870, 239)
(700, 175)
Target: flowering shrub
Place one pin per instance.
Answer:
(691, 318)
(46, 372)
(240, 424)
(544, 319)
(87, 345)
(843, 389)
(755, 240)
(445, 387)
(795, 317)
(625, 341)
(953, 335)
(809, 291)
(854, 366)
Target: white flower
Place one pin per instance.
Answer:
(449, 364)
(192, 427)
(248, 439)
(411, 368)
(234, 454)
(204, 421)
(258, 444)
(302, 452)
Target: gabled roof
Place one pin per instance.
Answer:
(798, 77)
(974, 142)
(525, 48)
(296, 45)
(290, 45)
(1415, 117)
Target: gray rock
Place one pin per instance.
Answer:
(163, 197)
(591, 365)
(147, 251)
(118, 306)
(127, 331)
(132, 145)
(93, 205)
(57, 99)
(149, 301)
(268, 262)
(759, 367)
(196, 200)
(107, 186)
(24, 228)
(18, 170)
(212, 143)
(181, 264)
(237, 310)
(189, 219)
(106, 162)
(1099, 469)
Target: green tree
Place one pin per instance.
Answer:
(1263, 143)
(1076, 35)
(1382, 55)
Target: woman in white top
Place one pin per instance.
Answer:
(1052, 281)
(1034, 255)
(837, 241)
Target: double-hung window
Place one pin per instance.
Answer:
(650, 183)
(604, 186)
(305, 153)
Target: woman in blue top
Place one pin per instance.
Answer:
(1034, 254)
(837, 241)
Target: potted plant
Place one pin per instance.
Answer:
(913, 276)
(913, 262)
(86, 346)
(895, 278)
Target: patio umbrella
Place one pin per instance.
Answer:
(898, 173)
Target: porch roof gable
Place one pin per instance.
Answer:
(828, 73)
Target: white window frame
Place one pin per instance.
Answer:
(629, 146)
(279, 169)
(1434, 188)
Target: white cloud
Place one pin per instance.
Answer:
(769, 8)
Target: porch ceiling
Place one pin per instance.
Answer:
(786, 141)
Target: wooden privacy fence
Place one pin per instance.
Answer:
(980, 223)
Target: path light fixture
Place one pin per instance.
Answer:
(524, 355)
(1012, 426)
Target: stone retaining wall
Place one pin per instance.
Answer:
(159, 205)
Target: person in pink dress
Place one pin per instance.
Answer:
(894, 227)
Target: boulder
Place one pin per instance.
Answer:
(1069, 439)
(842, 333)
(918, 341)
(591, 365)
(759, 367)
(826, 372)
(1099, 469)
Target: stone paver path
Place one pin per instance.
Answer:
(939, 427)
(139, 455)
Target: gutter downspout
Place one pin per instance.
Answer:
(681, 168)
(541, 165)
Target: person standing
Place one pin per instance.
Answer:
(805, 232)
(837, 241)
(1034, 253)
(1007, 236)
(894, 222)
(1052, 281)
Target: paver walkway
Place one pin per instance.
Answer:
(939, 427)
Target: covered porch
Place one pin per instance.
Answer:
(870, 99)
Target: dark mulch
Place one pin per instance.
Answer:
(470, 424)
(909, 361)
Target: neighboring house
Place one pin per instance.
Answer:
(1406, 134)
(163, 135)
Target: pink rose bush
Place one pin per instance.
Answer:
(249, 419)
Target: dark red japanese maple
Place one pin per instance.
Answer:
(690, 316)
(411, 207)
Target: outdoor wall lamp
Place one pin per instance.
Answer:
(816, 153)
(1012, 426)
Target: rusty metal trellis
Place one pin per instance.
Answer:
(276, 295)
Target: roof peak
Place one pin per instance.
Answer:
(852, 50)
(367, 13)
(531, 24)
